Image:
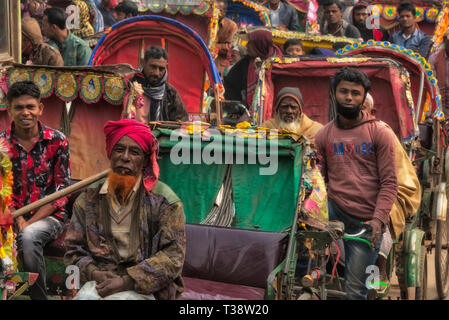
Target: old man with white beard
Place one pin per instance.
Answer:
(289, 114)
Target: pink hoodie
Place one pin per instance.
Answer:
(359, 167)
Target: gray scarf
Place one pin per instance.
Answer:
(156, 94)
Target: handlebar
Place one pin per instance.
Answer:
(362, 236)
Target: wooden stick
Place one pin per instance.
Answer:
(61, 193)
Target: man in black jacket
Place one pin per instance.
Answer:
(162, 100)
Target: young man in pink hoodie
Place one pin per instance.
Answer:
(356, 154)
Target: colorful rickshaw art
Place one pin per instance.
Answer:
(442, 25)
(247, 13)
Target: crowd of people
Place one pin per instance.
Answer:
(126, 233)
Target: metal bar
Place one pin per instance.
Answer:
(59, 194)
(292, 239)
(421, 91)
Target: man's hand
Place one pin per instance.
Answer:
(101, 276)
(111, 286)
(21, 223)
(376, 226)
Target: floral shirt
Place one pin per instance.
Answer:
(41, 171)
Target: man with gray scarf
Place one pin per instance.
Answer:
(161, 100)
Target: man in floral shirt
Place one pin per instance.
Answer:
(40, 158)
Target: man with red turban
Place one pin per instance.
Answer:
(127, 231)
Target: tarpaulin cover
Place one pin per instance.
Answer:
(313, 79)
(264, 202)
(189, 59)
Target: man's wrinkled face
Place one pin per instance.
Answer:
(406, 19)
(289, 110)
(332, 14)
(349, 94)
(294, 51)
(154, 70)
(360, 16)
(25, 112)
(127, 157)
(274, 2)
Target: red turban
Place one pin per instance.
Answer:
(141, 133)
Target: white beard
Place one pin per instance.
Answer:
(290, 126)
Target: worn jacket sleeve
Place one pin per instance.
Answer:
(177, 110)
(159, 270)
(385, 147)
(294, 21)
(77, 249)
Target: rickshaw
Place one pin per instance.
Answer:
(79, 100)
(191, 69)
(394, 83)
(240, 231)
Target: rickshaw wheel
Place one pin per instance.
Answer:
(421, 292)
(442, 258)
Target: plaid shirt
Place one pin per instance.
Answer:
(41, 171)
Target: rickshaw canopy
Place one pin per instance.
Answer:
(189, 57)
